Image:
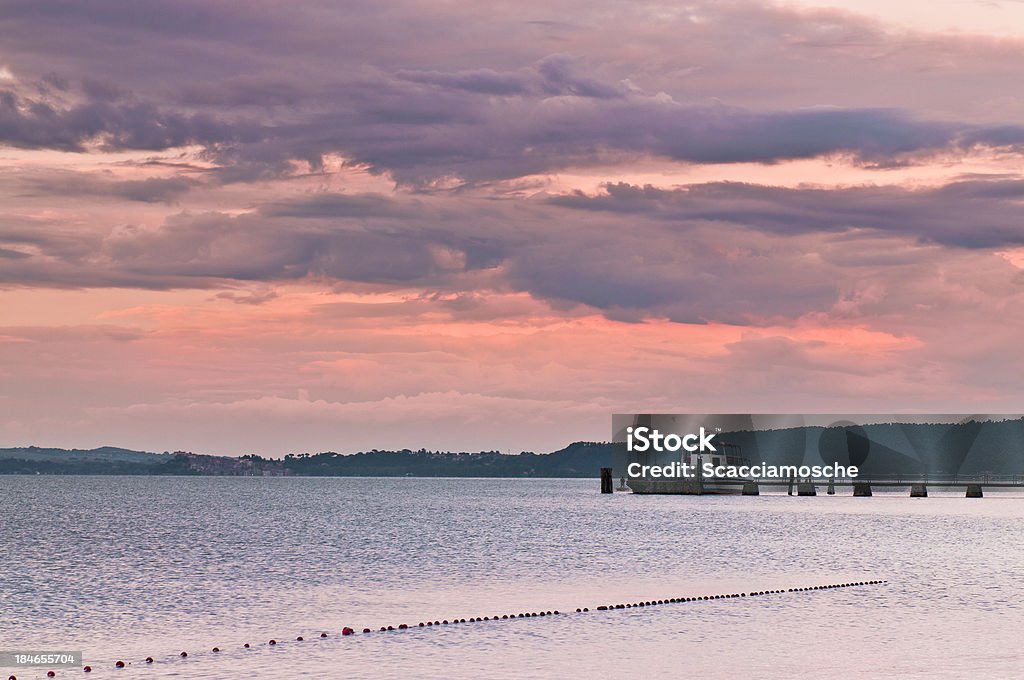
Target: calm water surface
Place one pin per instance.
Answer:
(129, 567)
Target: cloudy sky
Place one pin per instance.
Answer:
(272, 227)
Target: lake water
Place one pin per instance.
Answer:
(130, 567)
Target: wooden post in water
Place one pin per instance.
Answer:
(806, 488)
(606, 480)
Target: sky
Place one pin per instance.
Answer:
(259, 227)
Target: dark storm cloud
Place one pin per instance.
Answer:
(283, 243)
(113, 124)
(13, 254)
(484, 81)
(62, 183)
(475, 125)
(671, 262)
(432, 95)
(705, 252)
(557, 74)
(153, 189)
(215, 246)
(627, 275)
(560, 77)
(419, 135)
(719, 251)
(680, 274)
(176, 18)
(970, 213)
(339, 205)
(243, 91)
(425, 126)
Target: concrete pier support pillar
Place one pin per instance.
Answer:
(974, 491)
(751, 489)
(861, 489)
(790, 489)
(831, 486)
(606, 480)
(918, 491)
(806, 489)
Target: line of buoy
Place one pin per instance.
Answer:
(701, 598)
(346, 631)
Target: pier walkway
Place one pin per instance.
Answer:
(862, 486)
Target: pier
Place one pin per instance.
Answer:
(862, 486)
(918, 486)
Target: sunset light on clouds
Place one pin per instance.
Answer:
(320, 226)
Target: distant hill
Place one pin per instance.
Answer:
(106, 460)
(901, 449)
(104, 454)
(581, 459)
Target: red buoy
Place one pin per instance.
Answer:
(120, 664)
